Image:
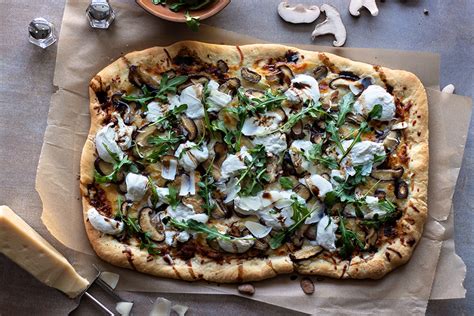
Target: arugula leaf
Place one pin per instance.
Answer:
(392, 214)
(313, 109)
(286, 183)
(170, 138)
(171, 115)
(192, 22)
(206, 186)
(211, 231)
(155, 198)
(334, 132)
(117, 166)
(345, 106)
(349, 240)
(229, 135)
(376, 112)
(315, 154)
(254, 175)
(173, 197)
(300, 214)
(362, 129)
(267, 102)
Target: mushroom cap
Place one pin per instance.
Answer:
(332, 25)
(298, 13)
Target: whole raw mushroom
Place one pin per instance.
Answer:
(298, 13)
(332, 25)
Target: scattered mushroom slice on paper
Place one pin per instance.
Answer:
(161, 307)
(110, 278)
(356, 5)
(298, 13)
(332, 25)
(180, 309)
(124, 308)
(449, 89)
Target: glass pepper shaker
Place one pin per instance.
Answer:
(100, 14)
(41, 32)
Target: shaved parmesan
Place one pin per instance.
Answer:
(180, 309)
(168, 170)
(105, 142)
(124, 308)
(191, 96)
(262, 124)
(257, 229)
(161, 307)
(110, 278)
(104, 224)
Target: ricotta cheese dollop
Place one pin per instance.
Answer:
(105, 139)
(303, 88)
(326, 233)
(372, 96)
(136, 186)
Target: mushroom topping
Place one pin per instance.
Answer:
(297, 131)
(230, 86)
(356, 5)
(136, 186)
(299, 13)
(170, 165)
(220, 211)
(332, 25)
(303, 88)
(238, 245)
(105, 142)
(148, 226)
(257, 229)
(320, 72)
(102, 167)
(360, 85)
(302, 191)
(104, 224)
(391, 141)
(308, 251)
(401, 189)
(123, 135)
(143, 133)
(387, 174)
(250, 75)
(282, 76)
(222, 66)
(260, 245)
(373, 96)
(189, 127)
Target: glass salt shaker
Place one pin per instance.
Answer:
(41, 32)
(100, 14)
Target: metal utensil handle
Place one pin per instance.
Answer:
(98, 303)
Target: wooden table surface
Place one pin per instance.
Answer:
(26, 74)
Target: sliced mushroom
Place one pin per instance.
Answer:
(134, 76)
(387, 174)
(302, 191)
(356, 5)
(261, 245)
(201, 127)
(371, 237)
(380, 194)
(308, 251)
(254, 93)
(124, 208)
(230, 86)
(298, 13)
(220, 211)
(250, 75)
(222, 66)
(359, 86)
(120, 106)
(273, 168)
(143, 133)
(310, 232)
(320, 72)
(154, 231)
(287, 165)
(214, 245)
(332, 25)
(102, 167)
(297, 131)
(355, 118)
(391, 141)
(190, 128)
(220, 150)
(401, 189)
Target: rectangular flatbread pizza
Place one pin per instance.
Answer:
(239, 163)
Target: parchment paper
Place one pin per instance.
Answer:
(82, 52)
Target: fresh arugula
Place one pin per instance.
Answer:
(375, 113)
(132, 228)
(166, 86)
(265, 103)
(362, 129)
(229, 135)
(155, 198)
(169, 138)
(286, 183)
(210, 231)
(316, 155)
(345, 106)
(192, 21)
(171, 116)
(333, 131)
(254, 175)
(206, 186)
(349, 240)
(118, 164)
(391, 215)
(240, 113)
(300, 214)
(313, 109)
(173, 197)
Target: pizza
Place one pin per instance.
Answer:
(239, 163)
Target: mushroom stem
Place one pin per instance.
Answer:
(332, 25)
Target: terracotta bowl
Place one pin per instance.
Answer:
(165, 13)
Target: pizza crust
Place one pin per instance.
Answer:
(406, 86)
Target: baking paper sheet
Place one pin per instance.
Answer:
(82, 52)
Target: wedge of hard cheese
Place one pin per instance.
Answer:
(23, 245)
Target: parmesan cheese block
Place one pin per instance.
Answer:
(23, 245)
